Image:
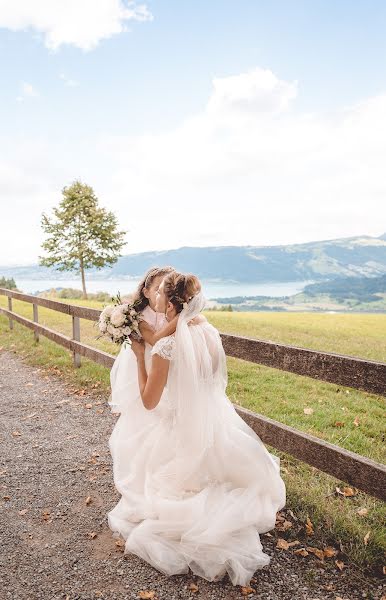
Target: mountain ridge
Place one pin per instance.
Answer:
(358, 256)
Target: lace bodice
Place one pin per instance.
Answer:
(164, 347)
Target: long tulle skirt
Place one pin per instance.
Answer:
(210, 524)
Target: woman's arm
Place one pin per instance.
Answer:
(151, 337)
(151, 386)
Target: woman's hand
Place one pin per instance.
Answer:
(138, 347)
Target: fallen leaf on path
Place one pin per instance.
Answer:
(309, 527)
(88, 405)
(88, 500)
(329, 552)
(16, 433)
(120, 544)
(366, 538)
(193, 587)
(146, 594)
(301, 552)
(340, 564)
(346, 491)
(319, 553)
(308, 411)
(246, 590)
(284, 545)
(284, 525)
(356, 421)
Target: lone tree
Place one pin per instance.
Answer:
(83, 235)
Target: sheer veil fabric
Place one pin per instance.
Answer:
(197, 483)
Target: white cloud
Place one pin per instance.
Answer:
(252, 170)
(27, 91)
(256, 92)
(68, 81)
(225, 176)
(81, 23)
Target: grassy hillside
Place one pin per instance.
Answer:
(343, 294)
(279, 395)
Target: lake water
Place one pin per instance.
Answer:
(211, 289)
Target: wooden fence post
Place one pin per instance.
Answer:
(36, 320)
(10, 308)
(76, 336)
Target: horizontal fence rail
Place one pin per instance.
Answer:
(362, 374)
(370, 376)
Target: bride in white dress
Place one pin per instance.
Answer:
(197, 483)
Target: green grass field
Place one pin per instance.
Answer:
(279, 395)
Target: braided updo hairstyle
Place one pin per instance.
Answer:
(180, 288)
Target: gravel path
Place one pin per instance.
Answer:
(56, 488)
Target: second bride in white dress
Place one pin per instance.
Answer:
(198, 485)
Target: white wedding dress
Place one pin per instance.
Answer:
(197, 483)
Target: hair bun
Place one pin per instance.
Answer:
(180, 288)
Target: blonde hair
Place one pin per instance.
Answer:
(180, 288)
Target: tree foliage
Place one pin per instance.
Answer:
(8, 283)
(82, 235)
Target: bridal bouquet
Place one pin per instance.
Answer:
(119, 321)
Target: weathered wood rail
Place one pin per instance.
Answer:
(370, 376)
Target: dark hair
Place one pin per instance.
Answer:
(138, 297)
(179, 288)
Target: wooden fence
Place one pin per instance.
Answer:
(369, 376)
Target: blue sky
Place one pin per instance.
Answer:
(295, 122)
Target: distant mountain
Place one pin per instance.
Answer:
(361, 256)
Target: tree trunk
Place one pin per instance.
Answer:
(85, 297)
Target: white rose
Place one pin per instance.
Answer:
(117, 317)
(103, 327)
(110, 329)
(117, 333)
(126, 330)
(106, 312)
